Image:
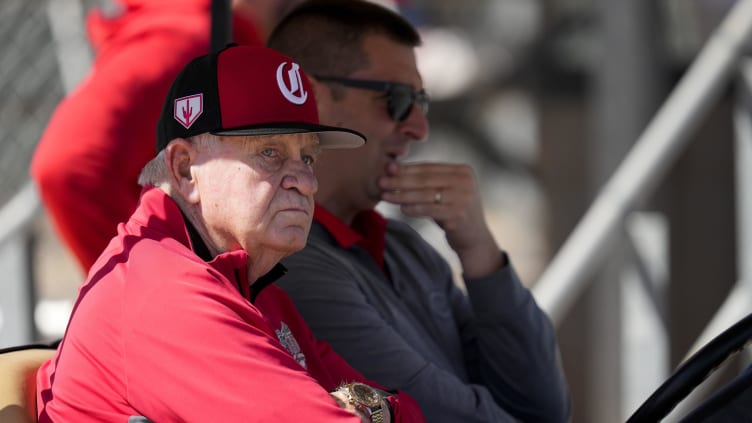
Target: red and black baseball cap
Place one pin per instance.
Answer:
(244, 90)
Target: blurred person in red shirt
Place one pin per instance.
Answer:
(87, 162)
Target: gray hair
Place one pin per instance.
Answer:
(156, 172)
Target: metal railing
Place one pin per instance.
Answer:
(654, 152)
(602, 227)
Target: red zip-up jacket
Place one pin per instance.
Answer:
(159, 333)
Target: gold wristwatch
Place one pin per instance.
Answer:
(365, 399)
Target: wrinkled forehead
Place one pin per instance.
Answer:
(298, 140)
(303, 137)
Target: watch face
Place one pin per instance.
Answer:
(366, 395)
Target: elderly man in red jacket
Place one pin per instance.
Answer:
(178, 320)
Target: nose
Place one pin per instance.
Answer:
(299, 176)
(415, 126)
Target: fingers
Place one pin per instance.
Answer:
(431, 197)
(445, 192)
(435, 184)
(427, 183)
(428, 176)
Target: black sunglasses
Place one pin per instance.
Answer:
(400, 97)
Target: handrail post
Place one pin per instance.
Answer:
(221, 25)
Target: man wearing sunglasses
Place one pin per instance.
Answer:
(372, 287)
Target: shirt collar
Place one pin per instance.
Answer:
(345, 236)
(368, 230)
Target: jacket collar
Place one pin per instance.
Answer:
(162, 213)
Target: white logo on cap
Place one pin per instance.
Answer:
(188, 109)
(295, 93)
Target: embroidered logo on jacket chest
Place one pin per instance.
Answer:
(291, 345)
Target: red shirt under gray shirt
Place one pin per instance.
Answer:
(159, 334)
(386, 301)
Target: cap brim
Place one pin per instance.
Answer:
(329, 136)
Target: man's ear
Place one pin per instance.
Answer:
(180, 156)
